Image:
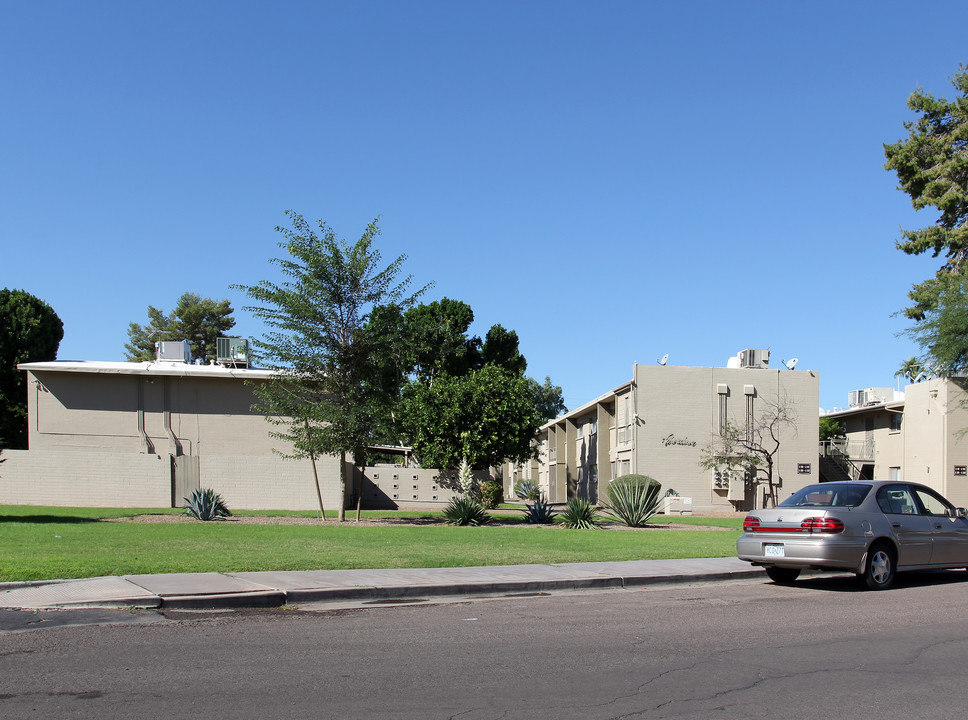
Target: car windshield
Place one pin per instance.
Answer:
(828, 495)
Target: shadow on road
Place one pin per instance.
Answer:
(851, 583)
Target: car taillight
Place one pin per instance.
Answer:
(822, 525)
(751, 524)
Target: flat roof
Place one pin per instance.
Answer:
(892, 406)
(162, 368)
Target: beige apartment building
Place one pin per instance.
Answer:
(126, 434)
(658, 424)
(920, 435)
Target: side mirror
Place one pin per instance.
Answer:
(956, 512)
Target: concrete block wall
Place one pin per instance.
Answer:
(272, 483)
(85, 479)
(395, 487)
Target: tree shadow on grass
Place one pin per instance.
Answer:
(43, 519)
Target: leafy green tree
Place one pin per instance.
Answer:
(436, 336)
(30, 331)
(425, 361)
(196, 319)
(548, 398)
(486, 416)
(500, 348)
(830, 428)
(932, 168)
(326, 394)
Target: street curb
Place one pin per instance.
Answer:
(225, 601)
(378, 592)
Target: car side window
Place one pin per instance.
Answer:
(932, 504)
(896, 501)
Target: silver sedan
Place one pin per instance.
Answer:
(874, 529)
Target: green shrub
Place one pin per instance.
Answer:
(492, 494)
(465, 511)
(579, 514)
(206, 505)
(539, 512)
(527, 490)
(633, 499)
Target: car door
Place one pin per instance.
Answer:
(950, 534)
(913, 531)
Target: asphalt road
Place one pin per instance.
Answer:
(745, 649)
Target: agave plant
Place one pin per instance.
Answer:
(527, 490)
(206, 505)
(579, 514)
(633, 499)
(465, 511)
(539, 512)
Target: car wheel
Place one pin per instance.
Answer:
(881, 569)
(782, 576)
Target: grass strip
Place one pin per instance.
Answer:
(51, 543)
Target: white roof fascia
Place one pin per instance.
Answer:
(169, 369)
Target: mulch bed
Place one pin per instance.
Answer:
(497, 519)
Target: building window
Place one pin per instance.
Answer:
(896, 419)
(961, 470)
(722, 411)
(581, 430)
(749, 418)
(803, 468)
(594, 428)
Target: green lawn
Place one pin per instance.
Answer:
(38, 543)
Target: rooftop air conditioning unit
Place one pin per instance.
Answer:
(869, 396)
(173, 351)
(232, 351)
(754, 358)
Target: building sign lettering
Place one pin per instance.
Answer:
(671, 439)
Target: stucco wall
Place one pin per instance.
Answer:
(85, 479)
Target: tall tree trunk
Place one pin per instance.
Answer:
(319, 494)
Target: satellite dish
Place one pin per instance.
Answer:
(663, 360)
(791, 363)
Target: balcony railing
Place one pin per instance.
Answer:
(851, 450)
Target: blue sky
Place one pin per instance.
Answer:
(612, 180)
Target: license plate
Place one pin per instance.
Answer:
(773, 551)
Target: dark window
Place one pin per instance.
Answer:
(803, 468)
(896, 500)
(961, 470)
(846, 494)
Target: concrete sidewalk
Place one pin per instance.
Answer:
(272, 589)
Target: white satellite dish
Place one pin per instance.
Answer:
(791, 363)
(664, 359)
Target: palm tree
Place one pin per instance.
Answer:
(911, 369)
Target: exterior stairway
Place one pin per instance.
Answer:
(832, 471)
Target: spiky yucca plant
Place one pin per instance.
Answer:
(206, 505)
(633, 499)
(579, 514)
(465, 476)
(465, 511)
